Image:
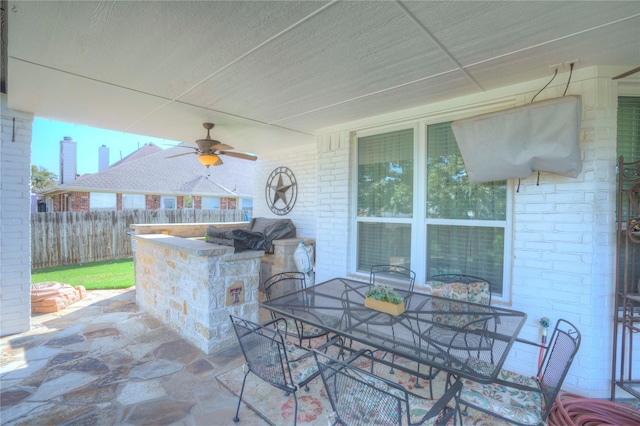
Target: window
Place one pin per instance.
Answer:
(102, 201)
(246, 204)
(416, 207)
(385, 199)
(133, 201)
(210, 203)
(628, 146)
(628, 136)
(629, 128)
(167, 203)
(187, 202)
(465, 221)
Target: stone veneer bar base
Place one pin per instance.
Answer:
(192, 287)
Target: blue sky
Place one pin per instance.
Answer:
(47, 134)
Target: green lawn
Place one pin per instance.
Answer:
(93, 276)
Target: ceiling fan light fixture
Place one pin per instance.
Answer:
(209, 150)
(208, 159)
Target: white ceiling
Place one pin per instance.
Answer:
(271, 73)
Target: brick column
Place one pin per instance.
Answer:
(15, 232)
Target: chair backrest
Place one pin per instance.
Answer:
(458, 287)
(563, 346)
(393, 272)
(284, 283)
(359, 397)
(264, 351)
(461, 287)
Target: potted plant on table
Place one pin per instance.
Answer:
(384, 298)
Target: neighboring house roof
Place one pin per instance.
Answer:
(147, 149)
(158, 174)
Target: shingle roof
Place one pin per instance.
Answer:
(147, 149)
(158, 174)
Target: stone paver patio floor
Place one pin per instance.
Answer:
(103, 361)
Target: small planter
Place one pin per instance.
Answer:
(386, 307)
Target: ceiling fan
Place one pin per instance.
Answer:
(209, 150)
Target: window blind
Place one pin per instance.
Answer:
(629, 128)
(454, 244)
(133, 201)
(102, 200)
(385, 174)
(449, 193)
(385, 191)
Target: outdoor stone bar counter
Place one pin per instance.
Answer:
(192, 286)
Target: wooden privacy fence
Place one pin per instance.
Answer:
(65, 238)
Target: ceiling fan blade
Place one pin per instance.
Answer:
(242, 155)
(624, 74)
(180, 155)
(221, 147)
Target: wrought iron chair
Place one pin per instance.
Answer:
(377, 276)
(460, 332)
(521, 399)
(466, 288)
(273, 358)
(285, 283)
(359, 397)
(380, 272)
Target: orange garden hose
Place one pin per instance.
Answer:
(575, 410)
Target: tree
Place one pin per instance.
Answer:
(42, 178)
(386, 189)
(452, 196)
(188, 202)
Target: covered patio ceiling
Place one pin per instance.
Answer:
(270, 74)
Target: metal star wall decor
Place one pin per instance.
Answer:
(281, 191)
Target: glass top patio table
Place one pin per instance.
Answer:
(462, 338)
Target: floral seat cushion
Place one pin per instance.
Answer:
(479, 292)
(476, 292)
(519, 405)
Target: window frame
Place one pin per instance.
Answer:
(419, 220)
(168, 197)
(356, 220)
(620, 267)
(103, 196)
(188, 199)
(635, 100)
(205, 198)
(135, 196)
(241, 204)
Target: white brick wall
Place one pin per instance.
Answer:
(564, 245)
(563, 228)
(302, 162)
(15, 239)
(334, 205)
